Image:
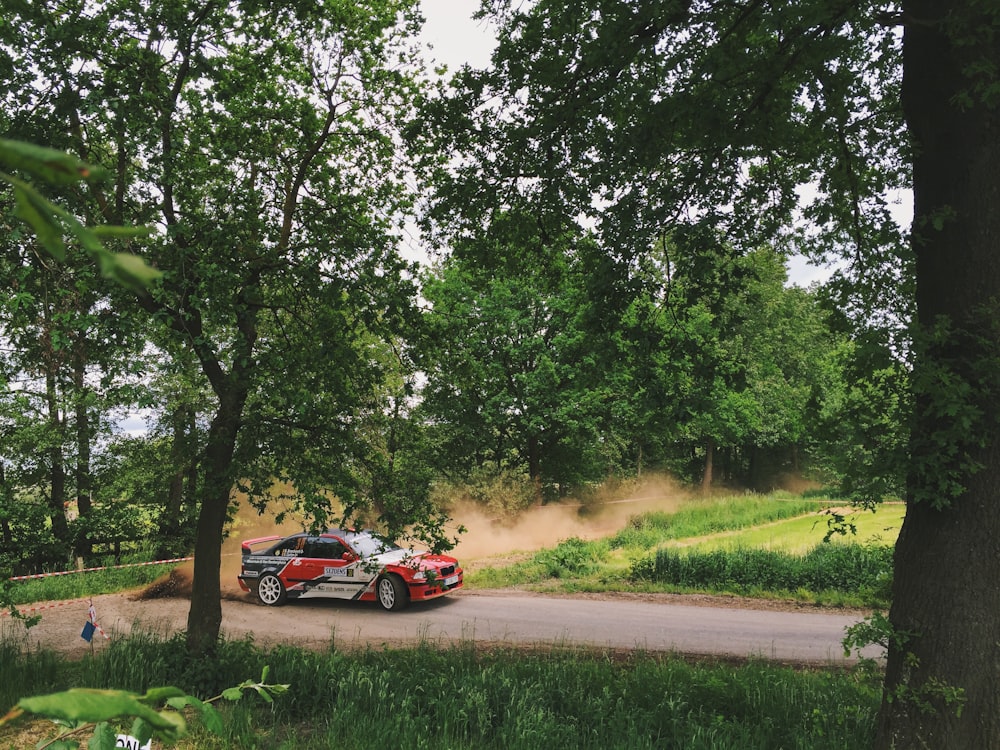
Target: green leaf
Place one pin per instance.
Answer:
(36, 211)
(104, 738)
(105, 232)
(157, 695)
(210, 718)
(51, 165)
(133, 272)
(90, 705)
(142, 731)
(127, 269)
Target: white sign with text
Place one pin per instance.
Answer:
(129, 742)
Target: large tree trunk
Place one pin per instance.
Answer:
(205, 615)
(941, 679)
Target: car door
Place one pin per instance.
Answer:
(328, 569)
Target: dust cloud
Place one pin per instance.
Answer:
(547, 525)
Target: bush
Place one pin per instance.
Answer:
(572, 557)
(32, 548)
(848, 568)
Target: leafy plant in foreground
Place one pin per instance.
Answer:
(156, 714)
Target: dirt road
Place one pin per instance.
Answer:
(693, 625)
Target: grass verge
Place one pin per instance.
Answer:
(716, 546)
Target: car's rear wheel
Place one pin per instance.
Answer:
(271, 591)
(391, 592)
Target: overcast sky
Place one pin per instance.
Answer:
(455, 37)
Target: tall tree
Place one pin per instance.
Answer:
(681, 112)
(737, 359)
(511, 369)
(67, 352)
(260, 137)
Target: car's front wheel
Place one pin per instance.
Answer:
(270, 590)
(391, 592)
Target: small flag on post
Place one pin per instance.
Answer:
(91, 626)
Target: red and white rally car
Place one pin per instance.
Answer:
(342, 564)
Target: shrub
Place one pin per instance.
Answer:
(850, 568)
(572, 557)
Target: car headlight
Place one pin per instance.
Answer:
(420, 575)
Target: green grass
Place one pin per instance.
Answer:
(799, 535)
(699, 517)
(460, 698)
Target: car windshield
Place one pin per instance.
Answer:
(366, 544)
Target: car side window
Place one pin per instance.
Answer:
(327, 549)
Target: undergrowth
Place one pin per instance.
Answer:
(461, 698)
(862, 570)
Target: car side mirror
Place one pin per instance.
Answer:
(349, 556)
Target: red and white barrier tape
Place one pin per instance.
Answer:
(103, 567)
(52, 605)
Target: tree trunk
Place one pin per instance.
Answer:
(82, 476)
(180, 458)
(57, 468)
(205, 615)
(6, 534)
(535, 468)
(706, 477)
(941, 677)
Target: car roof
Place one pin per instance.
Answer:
(342, 533)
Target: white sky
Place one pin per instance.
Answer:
(454, 36)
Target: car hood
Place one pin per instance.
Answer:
(413, 559)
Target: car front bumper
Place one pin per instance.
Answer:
(423, 590)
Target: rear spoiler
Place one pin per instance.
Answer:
(245, 546)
